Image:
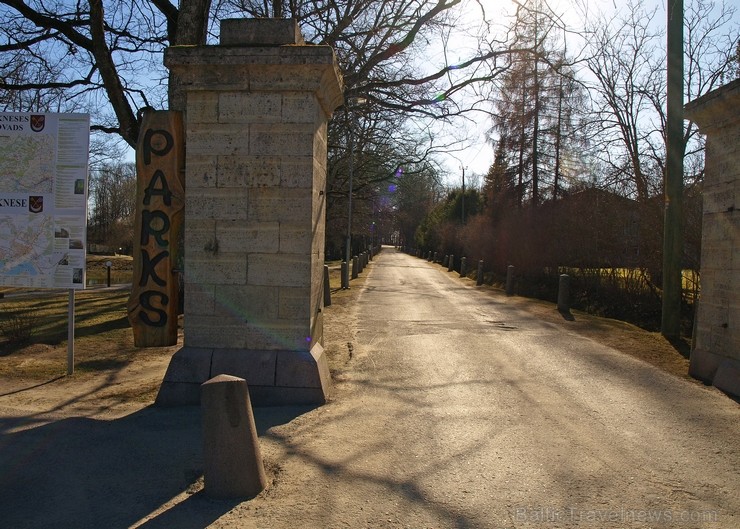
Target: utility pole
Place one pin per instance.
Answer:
(463, 194)
(348, 240)
(349, 117)
(672, 230)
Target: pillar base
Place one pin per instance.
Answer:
(719, 371)
(275, 378)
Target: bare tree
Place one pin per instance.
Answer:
(112, 205)
(628, 70)
(628, 63)
(95, 52)
(90, 56)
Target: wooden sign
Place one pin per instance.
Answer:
(160, 201)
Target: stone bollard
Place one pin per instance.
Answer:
(510, 280)
(429, 256)
(445, 260)
(434, 260)
(355, 267)
(327, 287)
(564, 293)
(232, 462)
(345, 275)
(463, 267)
(479, 279)
(451, 265)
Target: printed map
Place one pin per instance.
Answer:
(27, 163)
(27, 246)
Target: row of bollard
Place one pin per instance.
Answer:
(358, 264)
(448, 261)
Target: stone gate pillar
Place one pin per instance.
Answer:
(716, 355)
(256, 112)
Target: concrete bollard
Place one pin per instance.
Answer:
(355, 267)
(327, 287)
(345, 275)
(564, 293)
(510, 280)
(479, 279)
(451, 265)
(232, 462)
(463, 267)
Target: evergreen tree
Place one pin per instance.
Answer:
(499, 187)
(537, 108)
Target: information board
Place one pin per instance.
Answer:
(43, 199)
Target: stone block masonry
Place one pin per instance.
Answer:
(716, 355)
(256, 125)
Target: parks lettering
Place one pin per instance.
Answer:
(154, 297)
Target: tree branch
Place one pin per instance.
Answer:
(129, 127)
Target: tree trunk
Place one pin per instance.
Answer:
(558, 136)
(107, 68)
(191, 29)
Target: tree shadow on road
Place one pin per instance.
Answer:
(90, 473)
(81, 472)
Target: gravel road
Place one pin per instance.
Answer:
(452, 409)
(462, 411)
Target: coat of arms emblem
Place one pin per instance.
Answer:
(35, 204)
(37, 122)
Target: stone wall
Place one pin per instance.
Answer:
(716, 354)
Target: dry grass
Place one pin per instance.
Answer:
(103, 338)
(650, 347)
